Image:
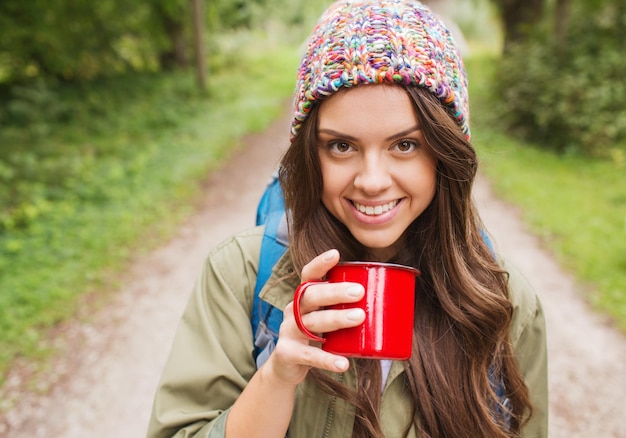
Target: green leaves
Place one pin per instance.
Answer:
(69, 40)
(570, 98)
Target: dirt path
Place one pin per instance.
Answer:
(103, 386)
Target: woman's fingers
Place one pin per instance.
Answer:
(317, 301)
(324, 321)
(295, 355)
(324, 294)
(311, 357)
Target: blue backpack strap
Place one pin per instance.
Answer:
(488, 242)
(502, 410)
(266, 319)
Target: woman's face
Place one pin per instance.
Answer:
(377, 171)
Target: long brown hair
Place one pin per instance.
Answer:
(461, 350)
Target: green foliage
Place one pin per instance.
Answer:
(575, 204)
(75, 40)
(93, 172)
(56, 121)
(570, 97)
(229, 14)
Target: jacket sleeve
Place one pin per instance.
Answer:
(211, 359)
(529, 342)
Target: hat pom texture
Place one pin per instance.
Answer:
(359, 42)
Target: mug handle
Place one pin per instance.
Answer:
(296, 310)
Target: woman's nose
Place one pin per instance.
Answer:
(373, 175)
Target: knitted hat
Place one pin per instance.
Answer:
(360, 42)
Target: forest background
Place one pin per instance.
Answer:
(112, 113)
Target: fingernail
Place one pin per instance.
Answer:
(355, 314)
(355, 290)
(341, 364)
(329, 255)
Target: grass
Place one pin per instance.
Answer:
(114, 182)
(575, 204)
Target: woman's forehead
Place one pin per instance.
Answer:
(380, 109)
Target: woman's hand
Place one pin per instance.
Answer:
(295, 354)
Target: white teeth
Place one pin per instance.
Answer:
(375, 211)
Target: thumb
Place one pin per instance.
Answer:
(319, 266)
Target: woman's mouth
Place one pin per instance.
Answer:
(375, 210)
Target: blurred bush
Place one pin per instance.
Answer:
(569, 95)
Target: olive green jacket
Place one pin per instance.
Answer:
(211, 359)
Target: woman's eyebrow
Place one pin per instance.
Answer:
(405, 132)
(334, 133)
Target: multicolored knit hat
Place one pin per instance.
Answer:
(360, 42)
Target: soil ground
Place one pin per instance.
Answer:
(102, 385)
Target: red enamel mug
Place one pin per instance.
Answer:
(388, 303)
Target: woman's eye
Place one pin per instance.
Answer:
(407, 145)
(340, 147)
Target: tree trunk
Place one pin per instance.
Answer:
(518, 17)
(173, 25)
(561, 22)
(198, 31)
(176, 56)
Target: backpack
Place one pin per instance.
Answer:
(266, 318)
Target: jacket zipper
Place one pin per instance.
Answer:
(331, 412)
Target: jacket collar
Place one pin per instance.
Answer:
(280, 287)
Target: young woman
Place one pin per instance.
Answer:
(379, 168)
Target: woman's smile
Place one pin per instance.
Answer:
(376, 209)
